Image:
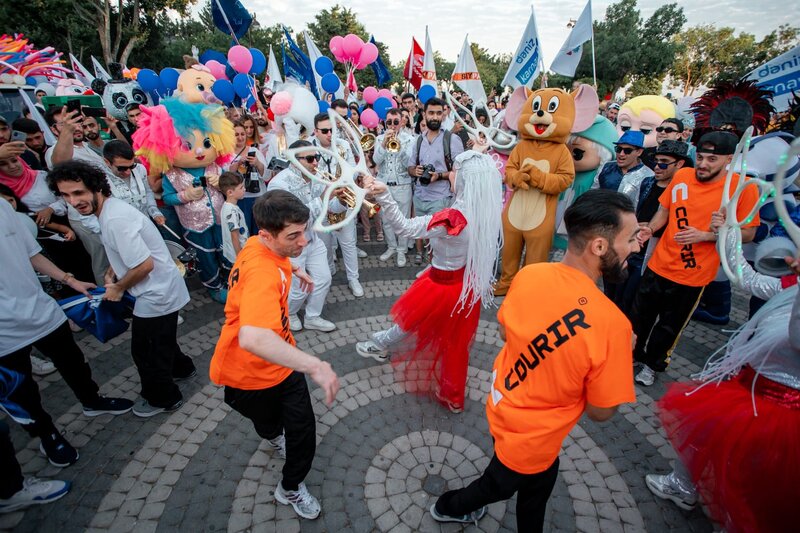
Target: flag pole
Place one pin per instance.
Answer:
(594, 64)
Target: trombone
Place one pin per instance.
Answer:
(367, 140)
(349, 197)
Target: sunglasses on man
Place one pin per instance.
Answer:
(627, 151)
(662, 129)
(311, 158)
(121, 168)
(663, 165)
(395, 122)
(324, 131)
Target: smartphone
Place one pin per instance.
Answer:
(17, 136)
(203, 182)
(96, 112)
(252, 152)
(73, 105)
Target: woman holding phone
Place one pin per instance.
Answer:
(250, 163)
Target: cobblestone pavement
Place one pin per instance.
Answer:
(383, 455)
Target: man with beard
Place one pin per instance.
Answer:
(34, 141)
(256, 357)
(437, 148)
(91, 134)
(685, 260)
(571, 358)
(141, 265)
(128, 180)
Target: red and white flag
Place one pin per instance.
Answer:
(466, 74)
(413, 69)
(428, 64)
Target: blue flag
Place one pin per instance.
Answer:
(381, 72)
(230, 15)
(297, 65)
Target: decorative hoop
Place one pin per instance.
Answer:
(490, 133)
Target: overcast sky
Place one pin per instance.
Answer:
(498, 24)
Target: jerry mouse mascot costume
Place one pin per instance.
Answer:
(539, 169)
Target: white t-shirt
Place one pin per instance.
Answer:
(86, 154)
(129, 238)
(232, 220)
(27, 314)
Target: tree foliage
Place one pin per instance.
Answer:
(708, 54)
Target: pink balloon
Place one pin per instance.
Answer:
(369, 53)
(240, 59)
(370, 95)
(217, 69)
(394, 103)
(352, 46)
(385, 93)
(336, 46)
(369, 118)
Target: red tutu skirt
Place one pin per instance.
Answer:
(746, 467)
(434, 357)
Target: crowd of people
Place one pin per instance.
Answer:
(119, 207)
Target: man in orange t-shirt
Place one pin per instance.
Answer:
(570, 356)
(256, 358)
(685, 260)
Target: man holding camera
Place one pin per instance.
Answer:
(431, 163)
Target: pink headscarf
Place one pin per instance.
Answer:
(21, 184)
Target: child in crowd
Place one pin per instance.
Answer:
(234, 228)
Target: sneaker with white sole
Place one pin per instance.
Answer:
(35, 491)
(469, 518)
(646, 376)
(385, 256)
(295, 324)
(305, 505)
(401, 259)
(318, 323)
(361, 253)
(356, 288)
(107, 406)
(41, 367)
(669, 488)
(278, 444)
(59, 452)
(370, 349)
(144, 409)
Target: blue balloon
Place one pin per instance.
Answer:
(381, 106)
(330, 83)
(208, 55)
(323, 66)
(30, 80)
(223, 89)
(148, 80)
(169, 77)
(323, 106)
(426, 92)
(242, 84)
(229, 72)
(259, 61)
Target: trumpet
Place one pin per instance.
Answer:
(350, 199)
(393, 145)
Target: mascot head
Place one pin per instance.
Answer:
(194, 85)
(119, 92)
(184, 135)
(645, 114)
(550, 115)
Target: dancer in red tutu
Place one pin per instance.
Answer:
(436, 319)
(737, 433)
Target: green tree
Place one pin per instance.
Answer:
(492, 67)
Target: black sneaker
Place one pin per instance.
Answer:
(190, 375)
(107, 406)
(469, 518)
(58, 451)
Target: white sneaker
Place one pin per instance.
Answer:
(180, 320)
(385, 256)
(279, 445)
(646, 376)
(295, 324)
(318, 323)
(356, 288)
(41, 367)
(361, 253)
(401, 259)
(35, 491)
(370, 349)
(669, 488)
(305, 505)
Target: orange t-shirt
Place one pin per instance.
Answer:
(258, 296)
(691, 203)
(566, 345)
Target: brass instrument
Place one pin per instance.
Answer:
(393, 145)
(349, 200)
(367, 141)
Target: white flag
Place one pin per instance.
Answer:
(82, 74)
(466, 74)
(525, 62)
(567, 59)
(99, 71)
(428, 65)
(273, 72)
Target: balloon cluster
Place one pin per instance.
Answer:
(381, 101)
(354, 53)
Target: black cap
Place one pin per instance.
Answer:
(718, 142)
(26, 125)
(676, 149)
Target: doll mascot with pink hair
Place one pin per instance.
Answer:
(188, 142)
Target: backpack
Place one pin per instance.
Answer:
(448, 159)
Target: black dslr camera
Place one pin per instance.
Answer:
(427, 170)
